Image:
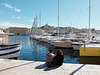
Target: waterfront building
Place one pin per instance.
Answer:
(18, 30)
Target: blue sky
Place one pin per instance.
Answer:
(21, 13)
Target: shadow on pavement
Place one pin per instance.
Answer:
(43, 66)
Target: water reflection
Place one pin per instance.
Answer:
(36, 51)
(89, 60)
(70, 56)
(43, 44)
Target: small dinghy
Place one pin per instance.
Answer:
(9, 51)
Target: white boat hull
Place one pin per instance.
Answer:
(76, 45)
(62, 44)
(9, 51)
(10, 56)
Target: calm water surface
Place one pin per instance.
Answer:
(36, 51)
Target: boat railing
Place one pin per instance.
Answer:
(7, 46)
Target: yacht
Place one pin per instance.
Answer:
(65, 42)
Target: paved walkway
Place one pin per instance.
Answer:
(19, 67)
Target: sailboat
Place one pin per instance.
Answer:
(34, 30)
(90, 49)
(63, 42)
(90, 39)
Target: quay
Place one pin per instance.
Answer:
(20, 67)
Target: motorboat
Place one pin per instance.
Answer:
(65, 42)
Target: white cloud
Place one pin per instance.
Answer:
(16, 17)
(7, 5)
(11, 7)
(17, 10)
(9, 24)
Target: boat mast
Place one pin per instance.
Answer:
(40, 22)
(32, 32)
(71, 29)
(58, 17)
(89, 17)
(32, 29)
(36, 24)
(40, 18)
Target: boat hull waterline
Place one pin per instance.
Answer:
(9, 51)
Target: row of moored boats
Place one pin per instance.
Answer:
(71, 41)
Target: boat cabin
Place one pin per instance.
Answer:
(4, 38)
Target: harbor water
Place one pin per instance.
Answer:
(33, 50)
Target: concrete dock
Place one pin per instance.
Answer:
(19, 67)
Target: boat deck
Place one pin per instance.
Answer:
(19, 67)
(92, 45)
